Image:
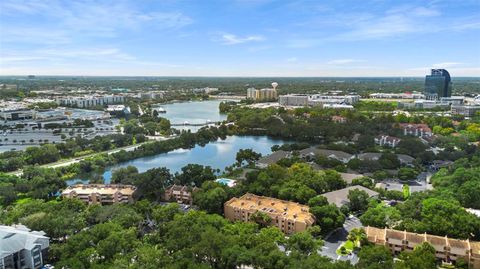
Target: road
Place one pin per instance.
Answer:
(334, 240)
(67, 162)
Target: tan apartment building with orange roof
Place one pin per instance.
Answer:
(289, 217)
(101, 193)
(446, 249)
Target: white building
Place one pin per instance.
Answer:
(319, 100)
(21, 248)
(467, 111)
(386, 140)
(90, 101)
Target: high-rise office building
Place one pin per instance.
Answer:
(438, 84)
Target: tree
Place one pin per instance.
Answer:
(358, 199)
(328, 217)
(126, 175)
(358, 235)
(333, 180)
(303, 243)
(211, 197)
(381, 216)
(375, 257)
(43, 154)
(247, 155)
(389, 161)
(152, 183)
(195, 175)
(411, 146)
(407, 174)
(422, 256)
(261, 218)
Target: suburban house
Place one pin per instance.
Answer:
(447, 249)
(349, 177)
(340, 197)
(272, 158)
(375, 156)
(312, 152)
(290, 217)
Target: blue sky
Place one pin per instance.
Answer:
(239, 38)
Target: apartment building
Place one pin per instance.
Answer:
(386, 140)
(101, 193)
(21, 248)
(90, 101)
(180, 194)
(262, 94)
(447, 249)
(416, 129)
(289, 217)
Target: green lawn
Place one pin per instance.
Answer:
(348, 245)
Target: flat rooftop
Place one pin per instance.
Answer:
(272, 206)
(100, 188)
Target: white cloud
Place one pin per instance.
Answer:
(343, 61)
(292, 59)
(446, 64)
(231, 39)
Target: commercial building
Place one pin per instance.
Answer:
(386, 140)
(289, 217)
(262, 94)
(21, 248)
(90, 101)
(331, 101)
(467, 111)
(293, 100)
(317, 99)
(446, 249)
(438, 84)
(180, 194)
(407, 95)
(17, 114)
(101, 193)
(340, 197)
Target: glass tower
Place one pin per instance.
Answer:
(438, 84)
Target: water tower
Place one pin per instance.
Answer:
(274, 85)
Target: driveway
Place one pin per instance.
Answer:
(333, 241)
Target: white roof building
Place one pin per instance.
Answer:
(21, 248)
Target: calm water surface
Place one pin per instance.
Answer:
(193, 112)
(218, 154)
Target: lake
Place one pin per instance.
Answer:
(193, 112)
(218, 154)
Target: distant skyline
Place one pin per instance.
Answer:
(239, 38)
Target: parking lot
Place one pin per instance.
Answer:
(333, 241)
